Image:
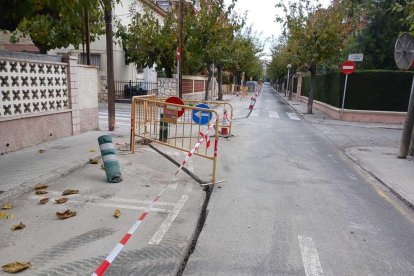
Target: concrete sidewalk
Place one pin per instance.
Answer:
(23, 169)
(373, 146)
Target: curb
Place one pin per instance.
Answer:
(389, 187)
(28, 186)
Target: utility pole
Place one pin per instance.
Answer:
(408, 127)
(180, 49)
(110, 65)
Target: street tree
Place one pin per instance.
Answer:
(54, 24)
(246, 52)
(146, 41)
(378, 30)
(318, 34)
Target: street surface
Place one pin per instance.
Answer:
(294, 204)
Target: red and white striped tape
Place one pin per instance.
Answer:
(203, 137)
(227, 120)
(117, 249)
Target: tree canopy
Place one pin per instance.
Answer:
(52, 23)
(314, 35)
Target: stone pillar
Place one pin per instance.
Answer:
(73, 92)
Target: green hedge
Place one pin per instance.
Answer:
(367, 90)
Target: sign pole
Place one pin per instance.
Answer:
(343, 98)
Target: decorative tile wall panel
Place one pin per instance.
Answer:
(29, 87)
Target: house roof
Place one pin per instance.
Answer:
(154, 7)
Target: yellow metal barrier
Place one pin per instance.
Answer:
(159, 122)
(244, 90)
(224, 108)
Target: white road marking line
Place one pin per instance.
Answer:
(112, 205)
(117, 123)
(130, 207)
(159, 235)
(274, 114)
(310, 256)
(99, 198)
(126, 113)
(255, 113)
(122, 117)
(293, 116)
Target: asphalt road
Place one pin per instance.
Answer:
(294, 204)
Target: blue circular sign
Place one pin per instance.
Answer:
(202, 117)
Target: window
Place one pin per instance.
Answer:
(95, 60)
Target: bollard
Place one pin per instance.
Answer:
(113, 173)
(252, 103)
(163, 136)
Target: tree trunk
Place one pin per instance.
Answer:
(312, 70)
(220, 82)
(291, 84)
(110, 65)
(411, 150)
(408, 126)
(87, 36)
(210, 75)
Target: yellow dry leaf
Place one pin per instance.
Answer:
(70, 192)
(117, 213)
(42, 151)
(61, 200)
(7, 206)
(18, 226)
(41, 192)
(15, 267)
(2, 215)
(40, 186)
(44, 200)
(93, 161)
(92, 150)
(65, 215)
(9, 216)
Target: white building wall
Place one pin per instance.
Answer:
(122, 72)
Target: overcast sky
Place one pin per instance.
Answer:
(262, 15)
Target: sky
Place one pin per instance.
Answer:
(262, 15)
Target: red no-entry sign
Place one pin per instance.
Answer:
(348, 67)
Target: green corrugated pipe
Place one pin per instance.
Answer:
(112, 170)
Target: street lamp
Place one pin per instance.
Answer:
(289, 66)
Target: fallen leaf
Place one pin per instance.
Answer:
(18, 226)
(93, 161)
(66, 214)
(42, 151)
(2, 215)
(44, 200)
(61, 200)
(41, 192)
(92, 150)
(15, 267)
(9, 216)
(7, 206)
(147, 185)
(102, 167)
(70, 192)
(117, 213)
(40, 186)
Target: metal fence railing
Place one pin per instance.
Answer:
(182, 127)
(128, 89)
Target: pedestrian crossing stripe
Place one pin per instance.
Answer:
(293, 116)
(274, 114)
